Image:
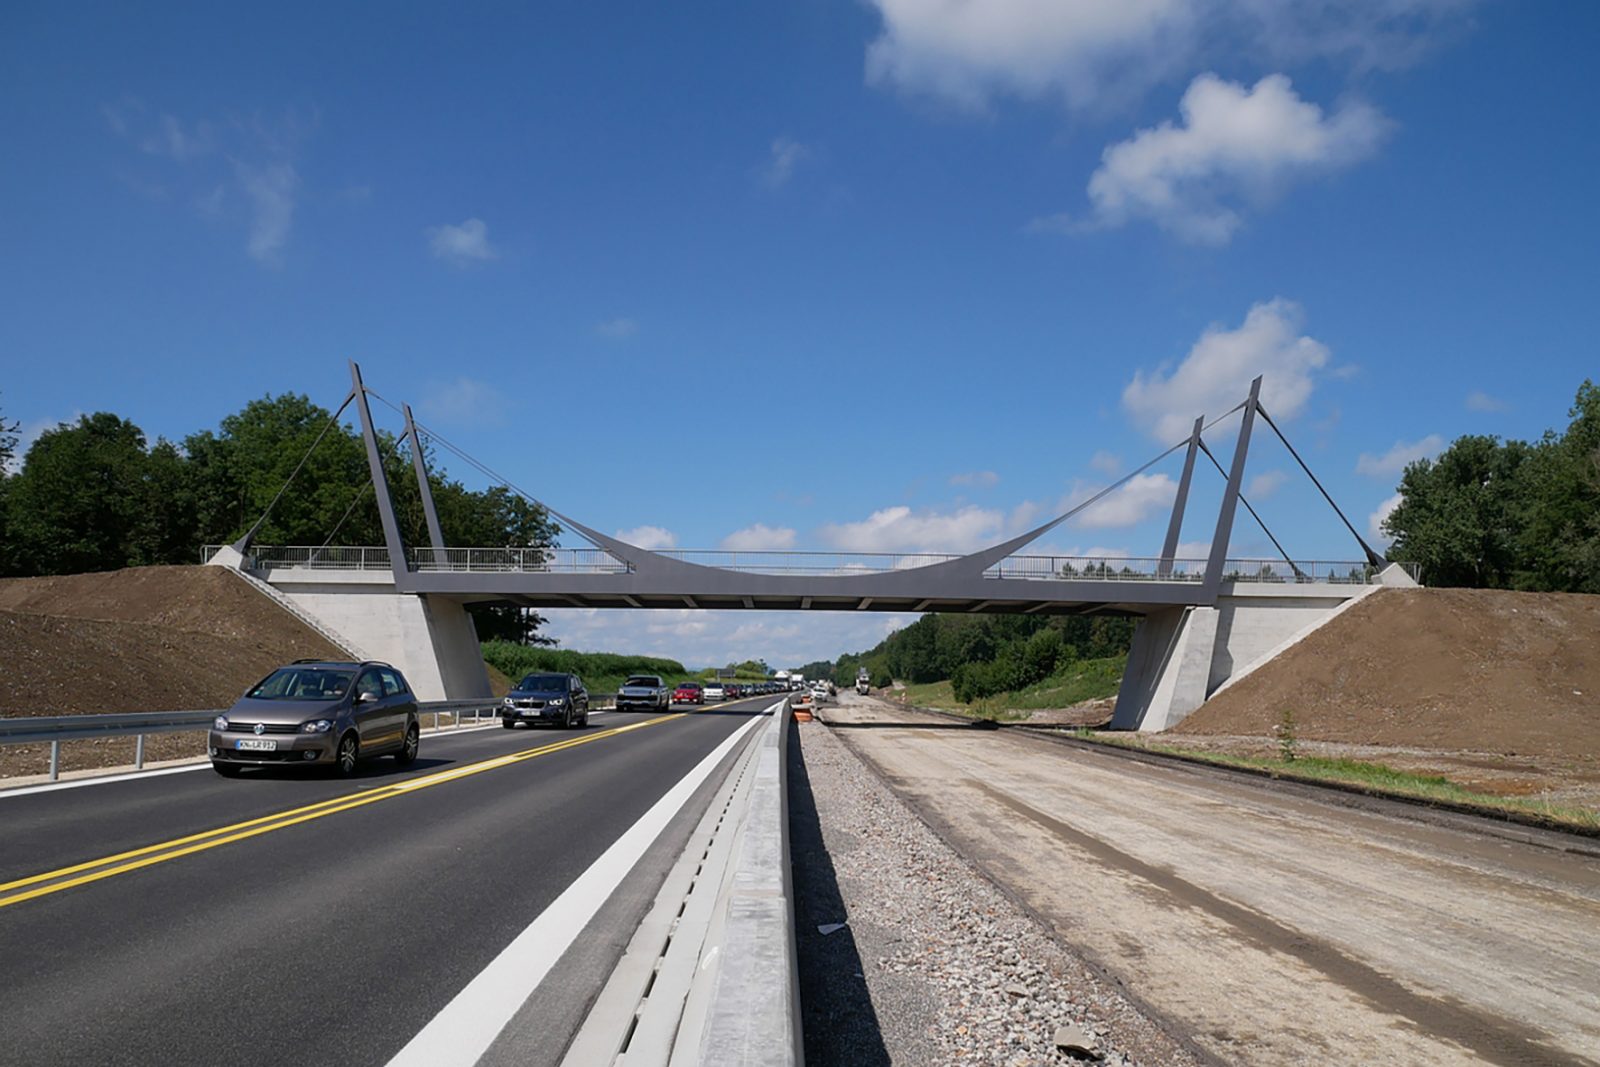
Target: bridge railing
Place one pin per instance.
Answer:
(815, 564)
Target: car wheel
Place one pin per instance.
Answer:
(227, 770)
(344, 758)
(508, 724)
(408, 751)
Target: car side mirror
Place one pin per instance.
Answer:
(366, 698)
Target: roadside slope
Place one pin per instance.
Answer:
(142, 639)
(1474, 669)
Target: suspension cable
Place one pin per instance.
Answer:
(285, 487)
(1292, 564)
(1372, 557)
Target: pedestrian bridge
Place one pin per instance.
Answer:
(1204, 621)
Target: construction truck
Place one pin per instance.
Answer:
(863, 682)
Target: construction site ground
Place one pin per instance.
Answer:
(1271, 925)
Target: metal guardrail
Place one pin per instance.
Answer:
(817, 564)
(55, 729)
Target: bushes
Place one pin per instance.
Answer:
(515, 660)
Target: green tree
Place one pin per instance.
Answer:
(80, 501)
(1460, 516)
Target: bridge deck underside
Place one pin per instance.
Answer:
(776, 593)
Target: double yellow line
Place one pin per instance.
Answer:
(39, 885)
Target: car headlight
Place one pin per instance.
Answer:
(220, 722)
(316, 726)
(557, 702)
(508, 702)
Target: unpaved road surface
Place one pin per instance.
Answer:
(1271, 926)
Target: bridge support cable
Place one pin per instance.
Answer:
(242, 545)
(1372, 557)
(1298, 573)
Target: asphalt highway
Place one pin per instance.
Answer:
(281, 918)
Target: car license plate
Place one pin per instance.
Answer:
(251, 744)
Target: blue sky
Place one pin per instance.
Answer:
(893, 274)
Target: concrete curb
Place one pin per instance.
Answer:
(711, 975)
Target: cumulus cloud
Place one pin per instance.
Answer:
(617, 329)
(1234, 146)
(1478, 400)
(1217, 372)
(463, 401)
(1087, 54)
(649, 538)
(1265, 484)
(462, 245)
(976, 479)
(760, 538)
(1143, 496)
(783, 156)
(1106, 463)
(1399, 457)
(1375, 521)
(899, 529)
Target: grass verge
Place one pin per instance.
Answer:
(1089, 679)
(1377, 778)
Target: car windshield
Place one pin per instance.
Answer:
(302, 683)
(543, 683)
(688, 685)
(644, 680)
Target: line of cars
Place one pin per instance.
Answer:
(718, 691)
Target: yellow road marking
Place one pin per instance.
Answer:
(183, 846)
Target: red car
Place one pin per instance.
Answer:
(688, 693)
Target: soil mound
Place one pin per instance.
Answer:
(142, 639)
(1461, 669)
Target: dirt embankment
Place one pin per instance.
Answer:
(142, 639)
(1494, 689)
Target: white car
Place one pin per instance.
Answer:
(714, 691)
(819, 691)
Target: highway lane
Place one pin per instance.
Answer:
(338, 937)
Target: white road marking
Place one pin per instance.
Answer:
(463, 1031)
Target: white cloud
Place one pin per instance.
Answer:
(899, 529)
(1094, 53)
(1265, 484)
(1217, 372)
(783, 156)
(1106, 463)
(1234, 146)
(1478, 400)
(1376, 520)
(976, 479)
(464, 401)
(649, 538)
(1193, 550)
(759, 538)
(462, 245)
(617, 329)
(171, 139)
(270, 190)
(1141, 497)
(1399, 457)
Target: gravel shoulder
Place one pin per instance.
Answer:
(933, 963)
(1269, 928)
